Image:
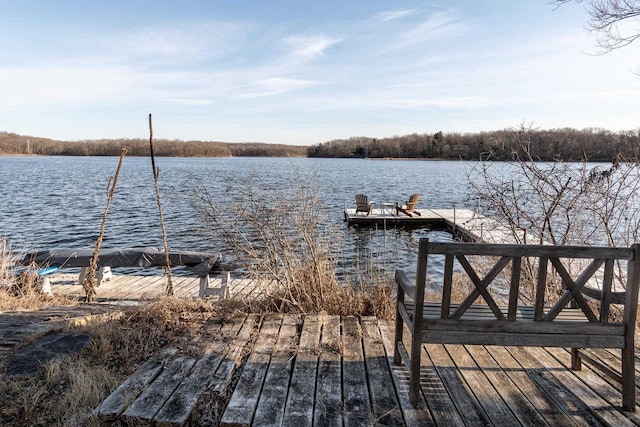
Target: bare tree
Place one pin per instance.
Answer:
(612, 21)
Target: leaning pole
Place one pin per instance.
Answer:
(89, 284)
(156, 172)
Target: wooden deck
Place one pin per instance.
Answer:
(332, 371)
(135, 288)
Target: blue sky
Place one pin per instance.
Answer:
(303, 72)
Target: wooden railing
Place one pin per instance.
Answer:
(480, 318)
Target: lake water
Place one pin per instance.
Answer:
(48, 202)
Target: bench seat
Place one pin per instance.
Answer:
(479, 326)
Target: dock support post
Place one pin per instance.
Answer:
(103, 273)
(224, 292)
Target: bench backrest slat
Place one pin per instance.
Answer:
(536, 251)
(631, 294)
(446, 287)
(574, 289)
(514, 288)
(607, 282)
(541, 286)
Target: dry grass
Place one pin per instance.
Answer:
(22, 291)
(26, 294)
(338, 299)
(67, 389)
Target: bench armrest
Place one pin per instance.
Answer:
(405, 284)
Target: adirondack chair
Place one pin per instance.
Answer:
(409, 206)
(363, 204)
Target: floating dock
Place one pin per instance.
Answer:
(388, 217)
(465, 224)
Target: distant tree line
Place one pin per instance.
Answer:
(545, 145)
(14, 144)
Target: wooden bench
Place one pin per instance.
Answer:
(566, 320)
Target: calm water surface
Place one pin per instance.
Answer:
(48, 202)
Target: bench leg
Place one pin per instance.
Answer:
(414, 384)
(204, 284)
(628, 379)
(103, 274)
(46, 286)
(397, 359)
(576, 361)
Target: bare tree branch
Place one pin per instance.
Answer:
(611, 21)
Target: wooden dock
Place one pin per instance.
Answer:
(331, 371)
(389, 218)
(138, 288)
(464, 223)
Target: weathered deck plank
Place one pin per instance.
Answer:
(244, 400)
(356, 395)
(570, 404)
(223, 375)
(299, 410)
(156, 394)
(131, 287)
(271, 406)
(384, 401)
(547, 408)
(462, 396)
(484, 390)
(473, 226)
(115, 404)
(587, 395)
(520, 406)
(608, 391)
(177, 409)
(327, 411)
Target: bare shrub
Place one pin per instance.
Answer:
(285, 241)
(561, 203)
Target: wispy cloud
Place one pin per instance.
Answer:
(310, 47)
(192, 42)
(392, 15)
(437, 25)
(275, 86)
(59, 84)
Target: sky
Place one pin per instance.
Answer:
(306, 72)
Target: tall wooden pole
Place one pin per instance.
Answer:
(156, 172)
(89, 284)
